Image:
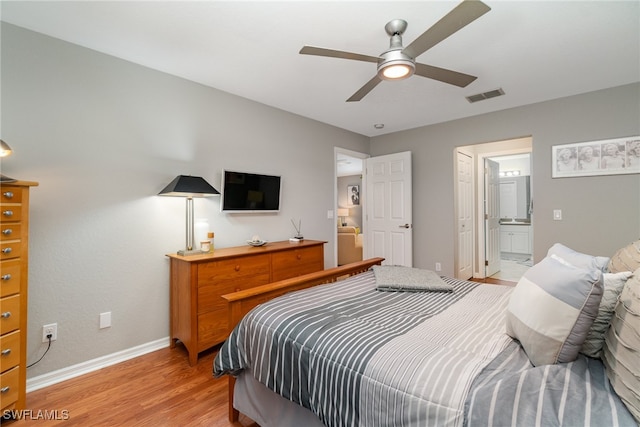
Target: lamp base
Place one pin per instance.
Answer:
(4, 178)
(185, 252)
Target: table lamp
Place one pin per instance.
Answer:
(189, 186)
(342, 212)
(5, 151)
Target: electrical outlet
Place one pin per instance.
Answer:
(438, 266)
(50, 329)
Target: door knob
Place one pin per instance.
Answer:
(405, 226)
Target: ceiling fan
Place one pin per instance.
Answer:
(399, 63)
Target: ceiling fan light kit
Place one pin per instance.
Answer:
(396, 66)
(398, 62)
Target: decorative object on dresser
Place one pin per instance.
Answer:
(199, 314)
(189, 187)
(14, 259)
(298, 228)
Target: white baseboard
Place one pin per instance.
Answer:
(73, 371)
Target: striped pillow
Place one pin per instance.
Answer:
(626, 259)
(622, 346)
(613, 284)
(551, 310)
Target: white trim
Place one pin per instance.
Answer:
(73, 371)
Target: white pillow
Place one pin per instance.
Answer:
(613, 284)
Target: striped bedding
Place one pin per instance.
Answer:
(510, 391)
(355, 356)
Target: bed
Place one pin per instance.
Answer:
(345, 353)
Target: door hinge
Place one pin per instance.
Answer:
(486, 262)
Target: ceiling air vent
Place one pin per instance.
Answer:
(485, 95)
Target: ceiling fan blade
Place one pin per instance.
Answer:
(462, 15)
(364, 90)
(320, 51)
(444, 75)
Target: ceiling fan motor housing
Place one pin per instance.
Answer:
(393, 64)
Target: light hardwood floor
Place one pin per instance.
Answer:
(156, 389)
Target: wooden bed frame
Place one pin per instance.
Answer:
(241, 302)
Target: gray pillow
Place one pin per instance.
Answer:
(578, 259)
(613, 284)
(551, 310)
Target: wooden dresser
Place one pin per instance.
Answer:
(199, 315)
(14, 266)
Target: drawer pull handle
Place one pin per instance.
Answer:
(7, 231)
(6, 277)
(6, 352)
(5, 315)
(237, 268)
(7, 213)
(7, 250)
(5, 389)
(8, 194)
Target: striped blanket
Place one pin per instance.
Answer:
(355, 356)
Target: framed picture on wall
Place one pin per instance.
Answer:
(353, 195)
(605, 157)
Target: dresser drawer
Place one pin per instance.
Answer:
(213, 328)
(9, 386)
(242, 269)
(11, 194)
(10, 249)
(10, 213)
(10, 231)
(10, 277)
(9, 314)
(226, 277)
(9, 350)
(287, 264)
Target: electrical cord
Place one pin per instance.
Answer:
(45, 352)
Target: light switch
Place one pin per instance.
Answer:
(557, 214)
(329, 214)
(105, 320)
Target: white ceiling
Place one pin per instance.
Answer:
(534, 50)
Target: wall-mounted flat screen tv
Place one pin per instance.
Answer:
(250, 192)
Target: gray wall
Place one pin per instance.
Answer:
(601, 214)
(103, 136)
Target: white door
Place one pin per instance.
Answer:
(464, 217)
(388, 228)
(492, 217)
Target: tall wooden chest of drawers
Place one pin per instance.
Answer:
(199, 315)
(14, 267)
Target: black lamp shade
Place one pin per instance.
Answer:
(189, 186)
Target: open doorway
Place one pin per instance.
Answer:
(349, 206)
(475, 247)
(515, 229)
